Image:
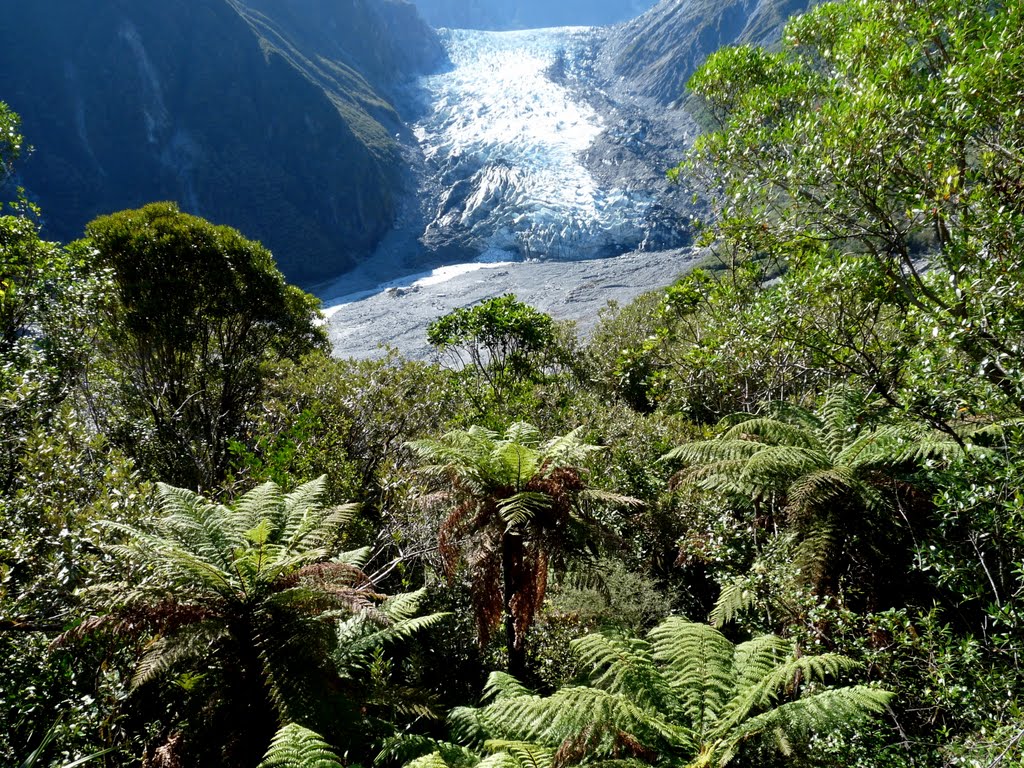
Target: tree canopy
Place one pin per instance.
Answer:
(195, 313)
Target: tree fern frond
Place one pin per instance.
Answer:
(773, 432)
(735, 598)
(573, 710)
(468, 726)
(261, 503)
(623, 667)
(501, 685)
(567, 449)
(517, 510)
(166, 651)
(515, 463)
(523, 754)
(811, 553)
(433, 760)
(408, 747)
(806, 669)
(776, 466)
(821, 487)
(708, 451)
(175, 563)
(820, 712)
(756, 659)
(195, 523)
(523, 433)
(699, 666)
(294, 746)
(354, 558)
(724, 476)
(791, 413)
(359, 636)
(305, 523)
(761, 693)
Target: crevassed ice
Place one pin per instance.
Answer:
(504, 139)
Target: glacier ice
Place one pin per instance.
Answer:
(503, 141)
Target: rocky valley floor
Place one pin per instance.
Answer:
(369, 318)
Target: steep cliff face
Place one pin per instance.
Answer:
(657, 52)
(248, 112)
(528, 14)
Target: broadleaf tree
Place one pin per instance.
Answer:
(195, 314)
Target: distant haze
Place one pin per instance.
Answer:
(528, 14)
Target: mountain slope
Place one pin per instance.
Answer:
(246, 112)
(528, 14)
(658, 52)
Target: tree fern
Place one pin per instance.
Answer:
(251, 594)
(686, 696)
(516, 501)
(830, 469)
(297, 747)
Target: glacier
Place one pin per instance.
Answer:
(503, 132)
(531, 175)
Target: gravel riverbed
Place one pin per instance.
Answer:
(365, 319)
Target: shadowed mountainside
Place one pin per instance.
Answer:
(272, 117)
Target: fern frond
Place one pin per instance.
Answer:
(261, 503)
(791, 413)
(294, 746)
(523, 754)
(166, 651)
(194, 523)
(468, 726)
(773, 432)
(698, 663)
(499, 760)
(573, 710)
(821, 488)
(523, 433)
(432, 760)
(811, 553)
(408, 747)
(517, 510)
(708, 451)
(501, 685)
(567, 449)
(515, 463)
(756, 659)
(735, 598)
(623, 667)
(776, 466)
(353, 558)
(820, 712)
(359, 636)
(761, 693)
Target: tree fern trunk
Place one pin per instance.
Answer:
(511, 567)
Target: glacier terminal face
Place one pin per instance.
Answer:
(504, 136)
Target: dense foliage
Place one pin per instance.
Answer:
(769, 516)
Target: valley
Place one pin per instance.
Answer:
(523, 158)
